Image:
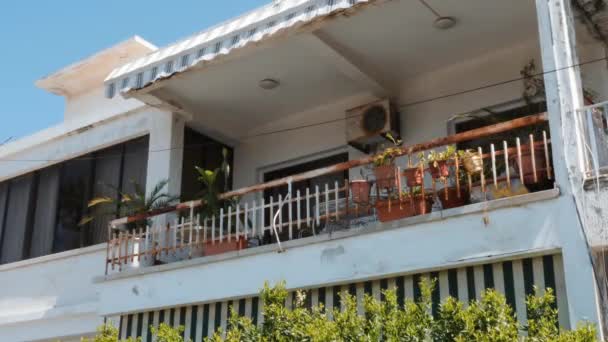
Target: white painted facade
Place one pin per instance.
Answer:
(66, 295)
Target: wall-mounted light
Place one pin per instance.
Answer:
(269, 83)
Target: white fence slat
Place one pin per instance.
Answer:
(533, 154)
(482, 174)
(221, 224)
(213, 230)
(246, 219)
(493, 155)
(337, 200)
(520, 167)
(298, 209)
(505, 148)
(271, 218)
(279, 210)
(229, 223)
(237, 218)
(546, 145)
(317, 205)
(308, 207)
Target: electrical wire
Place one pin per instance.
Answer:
(326, 122)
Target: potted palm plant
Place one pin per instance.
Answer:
(135, 204)
(212, 206)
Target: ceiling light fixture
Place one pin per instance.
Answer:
(444, 23)
(269, 83)
(441, 22)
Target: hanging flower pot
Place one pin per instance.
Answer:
(472, 162)
(360, 190)
(414, 177)
(439, 169)
(385, 176)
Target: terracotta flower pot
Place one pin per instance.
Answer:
(224, 246)
(360, 190)
(439, 169)
(413, 177)
(526, 165)
(385, 176)
(450, 199)
(422, 205)
(395, 211)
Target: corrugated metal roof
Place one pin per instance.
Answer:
(220, 40)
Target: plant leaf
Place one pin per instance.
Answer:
(100, 200)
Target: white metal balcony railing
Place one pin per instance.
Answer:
(517, 163)
(593, 131)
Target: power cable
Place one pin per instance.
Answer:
(321, 123)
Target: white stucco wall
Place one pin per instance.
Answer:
(51, 297)
(390, 250)
(94, 104)
(419, 122)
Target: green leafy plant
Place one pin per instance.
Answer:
(389, 154)
(130, 204)
(108, 333)
(167, 333)
(447, 154)
(489, 319)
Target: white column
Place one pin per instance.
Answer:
(564, 96)
(166, 151)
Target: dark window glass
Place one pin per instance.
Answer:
(108, 169)
(4, 189)
(40, 212)
(45, 212)
(19, 219)
(495, 117)
(206, 153)
(74, 191)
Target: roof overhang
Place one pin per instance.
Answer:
(89, 73)
(277, 18)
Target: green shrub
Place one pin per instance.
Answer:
(489, 319)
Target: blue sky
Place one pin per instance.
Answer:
(38, 37)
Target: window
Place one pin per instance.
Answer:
(320, 181)
(206, 153)
(40, 211)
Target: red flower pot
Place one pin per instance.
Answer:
(385, 176)
(413, 177)
(360, 190)
(439, 169)
(225, 246)
(450, 199)
(394, 211)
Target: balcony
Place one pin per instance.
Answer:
(481, 178)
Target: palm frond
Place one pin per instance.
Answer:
(100, 200)
(85, 220)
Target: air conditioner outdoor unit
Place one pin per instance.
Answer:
(368, 125)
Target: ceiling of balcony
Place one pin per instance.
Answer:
(371, 51)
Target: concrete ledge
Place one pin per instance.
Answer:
(54, 257)
(514, 201)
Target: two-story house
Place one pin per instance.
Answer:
(296, 98)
